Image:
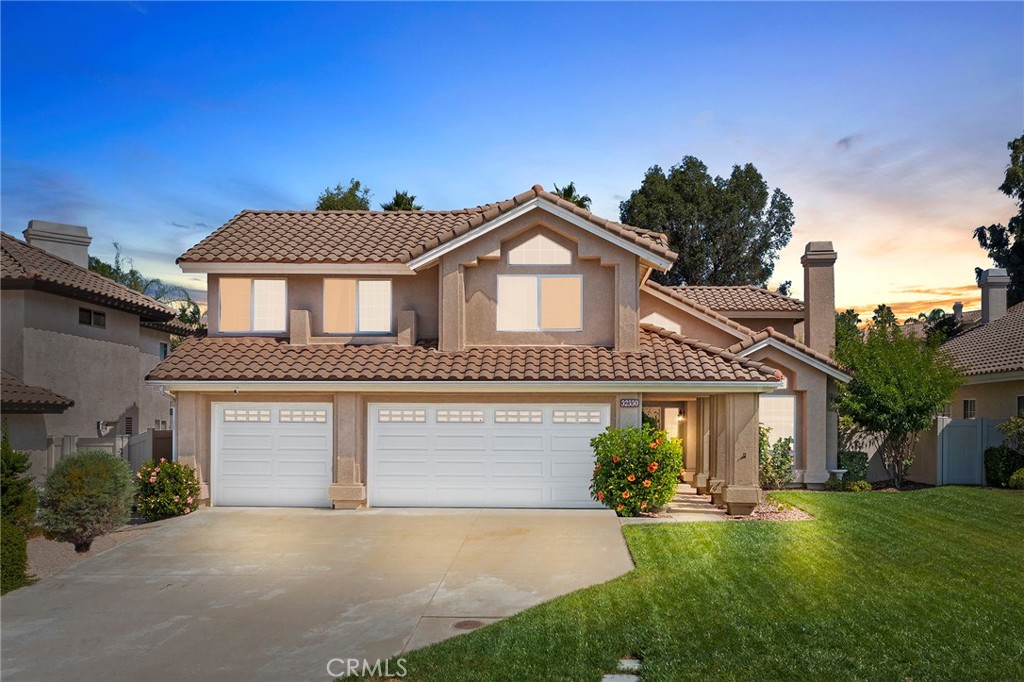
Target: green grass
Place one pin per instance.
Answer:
(923, 585)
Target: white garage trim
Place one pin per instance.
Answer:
(278, 454)
(482, 455)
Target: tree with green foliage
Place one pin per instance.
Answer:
(1005, 244)
(123, 271)
(355, 197)
(884, 317)
(725, 230)
(569, 193)
(17, 494)
(402, 201)
(899, 383)
(943, 329)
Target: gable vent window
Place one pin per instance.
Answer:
(256, 415)
(253, 305)
(302, 416)
(518, 417)
(540, 303)
(399, 416)
(539, 250)
(576, 417)
(357, 306)
(129, 426)
(460, 416)
(92, 318)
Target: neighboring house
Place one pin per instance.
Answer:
(76, 347)
(466, 358)
(990, 351)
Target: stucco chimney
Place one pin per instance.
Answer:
(994, 282)
(70, 242)
(958, 311)
(819, 296)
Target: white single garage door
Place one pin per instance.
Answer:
(516, 455)
(271, 454)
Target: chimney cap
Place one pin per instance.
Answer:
(813, 247)
(994, 277)
(818, 254)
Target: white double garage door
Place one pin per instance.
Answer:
(419, 455)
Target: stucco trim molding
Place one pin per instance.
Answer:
(383, 269)
(994, 377)
(471, 386)
(428, 258)
(794, 353)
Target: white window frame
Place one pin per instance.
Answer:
(252, 307)
(527, 249)
(390, 331)
(974, 408)
(539, 311)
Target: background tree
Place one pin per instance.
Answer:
(725, 230)
(942, 330)
(883, 318)
(1005, 244)
(402, 201)
(355, 197)
(569, 193)
(123, 271)
(900, 382)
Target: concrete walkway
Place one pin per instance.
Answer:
(273, 594)
(687, 505)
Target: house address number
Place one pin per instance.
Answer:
(629, 402)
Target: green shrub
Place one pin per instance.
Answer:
(166, 489)
(1000, 463)
(18, 499)
(775, 462)
(858, 486)
(86, 495)
(845, 485)
(636, 470)
(13, 557)
(1013, 432)
(856, 465)
(1017, 479)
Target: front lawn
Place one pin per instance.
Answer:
(921, 585)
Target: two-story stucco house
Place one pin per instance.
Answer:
(75, 347)
(466, 358)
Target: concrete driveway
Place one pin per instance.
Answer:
(273, 594)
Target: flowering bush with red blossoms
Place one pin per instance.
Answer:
(166, 489)
(636, 470)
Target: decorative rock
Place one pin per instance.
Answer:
(629, 665)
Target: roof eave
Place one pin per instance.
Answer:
(441, 386)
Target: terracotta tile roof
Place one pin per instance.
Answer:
(663, 357)
(990, 348)
(771, 333)
(678, 297)
(373, 236)
(17, 396)
(29, 267)
(741, 299)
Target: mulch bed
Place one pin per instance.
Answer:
(772, 511)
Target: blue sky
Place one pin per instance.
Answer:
(153, 123)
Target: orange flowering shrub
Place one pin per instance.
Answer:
(635, 469)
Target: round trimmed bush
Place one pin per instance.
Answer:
(86, 495)
(1017, 479)
(859, 487)
(13, 557)
(636, 470)
(166, 489)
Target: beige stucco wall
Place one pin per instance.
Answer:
(101, 369)
(469, 286)
(996, 400)
(686, 323)
(417, 292)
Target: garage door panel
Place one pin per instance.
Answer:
(510, 455)
(272, 454)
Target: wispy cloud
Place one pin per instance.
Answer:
(37, 192)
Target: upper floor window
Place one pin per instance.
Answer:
(540, 303)
(970, 408)
(93, 318)
(540, 250)
(357, 306)
(253, 305)
(1020, 406)
(165, 350)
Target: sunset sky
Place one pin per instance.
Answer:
(154, 123)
